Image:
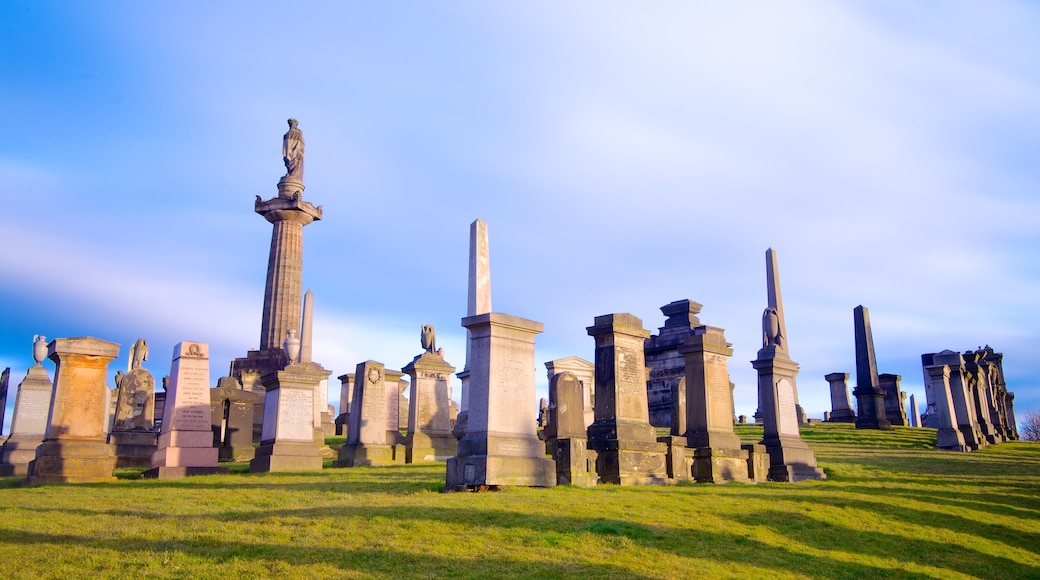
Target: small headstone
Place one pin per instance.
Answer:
(186, 437)
(586, 374)
(133, 427)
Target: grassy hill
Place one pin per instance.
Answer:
(891, 507)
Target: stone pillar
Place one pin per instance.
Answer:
(346, 394)
(870, 399)
(288, 441)
(938, 377)
(501, 445)
(429, 422)
(367, 442)
(626, 443)
(667, 364)
(895, 399)
(478, 301)
(841, 411)
(790, 459)
(717, 455)
(964, 410)
(914, 416)
(74, 448)
(186, 438)
(29, 423)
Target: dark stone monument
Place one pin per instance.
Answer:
(667, 365)
(233, 410)
(841, 411)
(870, 399)
(895, 399)
(565, 433)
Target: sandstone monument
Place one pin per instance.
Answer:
(790, 459)
(74, 449)
(626, 446)
(368, 430)
(429, 421)
(585, 372)
(133, 428)
(870, 399)
(565, 433)
(29, 422)
(478, 301)
(498, 443)
(667, 365)
(186, 437)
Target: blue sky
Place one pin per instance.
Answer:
(624, 156)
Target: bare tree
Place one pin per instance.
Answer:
(1029, 426)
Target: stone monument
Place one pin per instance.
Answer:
(288, 213)
(790, 459)
(186, 437)
(74, 449)
(937, 379)
(980, 397)
(396, 406)
(133, 428)
(478, 301)
(666, 363)
(5, 379)
(368, 429)
(915, 413)
(32, 403)
(585, 372)
(429, 422)
(963, 417)
(565, 432)
(628, 452)
(870, 399)
(895, 399)
(841, 411)
(232, 416)
(346, 394)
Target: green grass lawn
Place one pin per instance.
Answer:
(891, 507)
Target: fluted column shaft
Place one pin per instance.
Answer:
(284, 289)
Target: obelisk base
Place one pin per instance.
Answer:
(286, 457)
(489, 461)
(133, 448)
(71, 461)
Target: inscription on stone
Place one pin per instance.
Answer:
(295, 414)
(787, 420)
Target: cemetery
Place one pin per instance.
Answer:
(636, 466)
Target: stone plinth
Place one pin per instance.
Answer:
(429, 421)
(841, 410)
(666, 363)
(895, 399)
(870, 399)
(628, 452)
(74, 448)
(586, 374)
(288, 441)
(501, 445)
(29, 423)
(133, 427)
(232, 416)
(368, 428)
(937, 377)
(715, 448)
(186, 437)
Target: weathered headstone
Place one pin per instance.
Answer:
(937, 375)
(666, 363)
(232, 416)
(367, 431)
(565, 431)
(186, 437)
(790, 459)
(586, 375)
(500, 446)
(978, 388)
(32, 403)
(964, 410)
(628, 452)
(133, 427)
(429, 421)
(841, 411)
(895, 399)
(915, 414)
(289, 440)
(716, 449)
(870, 399)
(74, 449)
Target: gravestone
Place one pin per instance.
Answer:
(289, 440)
(586, 375)
(979, 397)
(628, 452)
(186, 437)
(133, 427)
(666, 363)
(716, 449)
(346, 393)
(429, 421)
(895, 399)
(565, 433)
(32, 403)
(74, 448)
(841, 411)
(678, 459)
(367, 442)
(232, 415)
(964, 410)
(790, 459)
(395, 418)
(915, 414)
(870, 399)
(937, 377)
(500, 445)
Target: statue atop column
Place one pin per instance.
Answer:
(292, 151)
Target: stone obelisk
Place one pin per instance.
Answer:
(288, 214)
(870, 399)
(790, 459)
(478, 301)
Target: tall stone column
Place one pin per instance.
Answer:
(870, 399)
(841, 412)
(478, 301)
